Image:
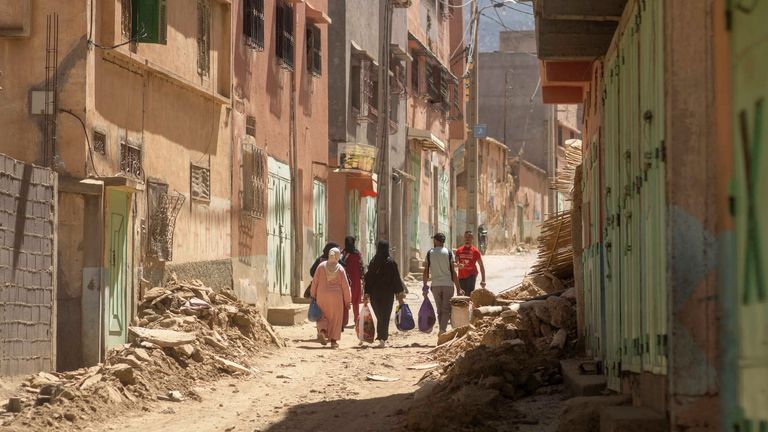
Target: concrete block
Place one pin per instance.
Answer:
(578, 384)
(632, 419)
(287, 315)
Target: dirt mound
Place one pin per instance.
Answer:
(186, 334)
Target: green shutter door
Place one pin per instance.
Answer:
(353, 215)
(320, 215)
(750, 206)
(117, 263)
(279, 228)
(443, 195)
(415, 188)
(370, 227)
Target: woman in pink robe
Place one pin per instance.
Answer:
(330, 288)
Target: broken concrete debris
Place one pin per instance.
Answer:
(185, 333)
(510, 349)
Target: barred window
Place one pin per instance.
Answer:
(254, 181)
(253, 23)
(126, 19)
(284, 34)
(203, 37)
(99, 142)
(130, 160)
(314, 56)
(250, 126)
(200, 183)
(415, 75)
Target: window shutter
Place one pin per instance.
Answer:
(309, 58)
(163, 22)
(289, 35)
(279, 31)
(258, 21)
(318, 58)
(148, 17)
(248, 15)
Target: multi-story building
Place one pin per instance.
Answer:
(280, 146)
(129, 102)
(434, 116)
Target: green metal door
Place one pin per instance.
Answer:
(353, 215)
(415, 188)
(651, 179)
(370, 228)
(749, 43)
(443, 195)
(117, 262)
(279, 228)
(320, 217)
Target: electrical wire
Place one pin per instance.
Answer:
(87, 138)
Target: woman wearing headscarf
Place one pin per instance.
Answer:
(353, 264)
(330, 289)
(382, 284)
(323, 257)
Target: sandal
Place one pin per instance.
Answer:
(322, 339)
(334, 345)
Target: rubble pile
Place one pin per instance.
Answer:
(186, 334)
(512, 349)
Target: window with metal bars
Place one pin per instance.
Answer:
(250, 126)
(203, 37)
(415, 75)
(99, 142)
(126, 20)
(253, 23)
(314, 46)
(130, 160)
(445, 101)
(200, 183)
(254, 181)
(433, 81)
(284, 34)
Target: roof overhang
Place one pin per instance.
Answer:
(570, 36)
(427, 139)
(316, 15)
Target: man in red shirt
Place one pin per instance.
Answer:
(467, 258)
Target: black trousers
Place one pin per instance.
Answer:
(382, 308)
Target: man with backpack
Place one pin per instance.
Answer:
(439, 264)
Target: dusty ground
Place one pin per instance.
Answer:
(307, 387)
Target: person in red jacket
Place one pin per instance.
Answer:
(353, 263)
(467, 258)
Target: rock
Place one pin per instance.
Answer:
(90, 381)
(231, 366)
(64, 393)
(474, 396)
(488, 311)
(185, 350)
(482, 297)
(532, 383)
(112, 395)
(175, 396)
(197, 356)
(561, 312)
(569, 294)
(169, 323)
(162, 338)
(493, 382)
(426, 389)
(546, 329)
(514, 342)
(149, 345)
(214, 343)
(70, 416)
(125, 373)
(455, 333)
(129, 360)
(558, 341)
(13, 405)
(154, 293)
(142, 355)
(48, 377)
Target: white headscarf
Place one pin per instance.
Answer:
(332, 265)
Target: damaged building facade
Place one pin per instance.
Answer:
(669, 272)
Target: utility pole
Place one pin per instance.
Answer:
(471, 156)
(384, 194)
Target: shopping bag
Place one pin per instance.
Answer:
(314, 314)
(404, 318)
(366, 330)
(426, 316)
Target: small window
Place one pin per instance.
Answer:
(314, 43)
(130, 160)
(149, 23)
(284, 34)
(125, 18)
(355, 86)
(253, 23)
(203, 37)
(200, 181)
(250, 126)
(254, 181)
(100, 142)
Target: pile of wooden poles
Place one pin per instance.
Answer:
(563, 181)
(555, 247)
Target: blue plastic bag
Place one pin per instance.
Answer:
(404, 318)
(427, 316)
(314, 314)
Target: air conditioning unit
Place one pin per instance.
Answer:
(401, 3)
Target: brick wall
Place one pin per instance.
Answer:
(27, 244)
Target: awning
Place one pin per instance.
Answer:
(364, 182)
(316, 15)
(427, 139)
